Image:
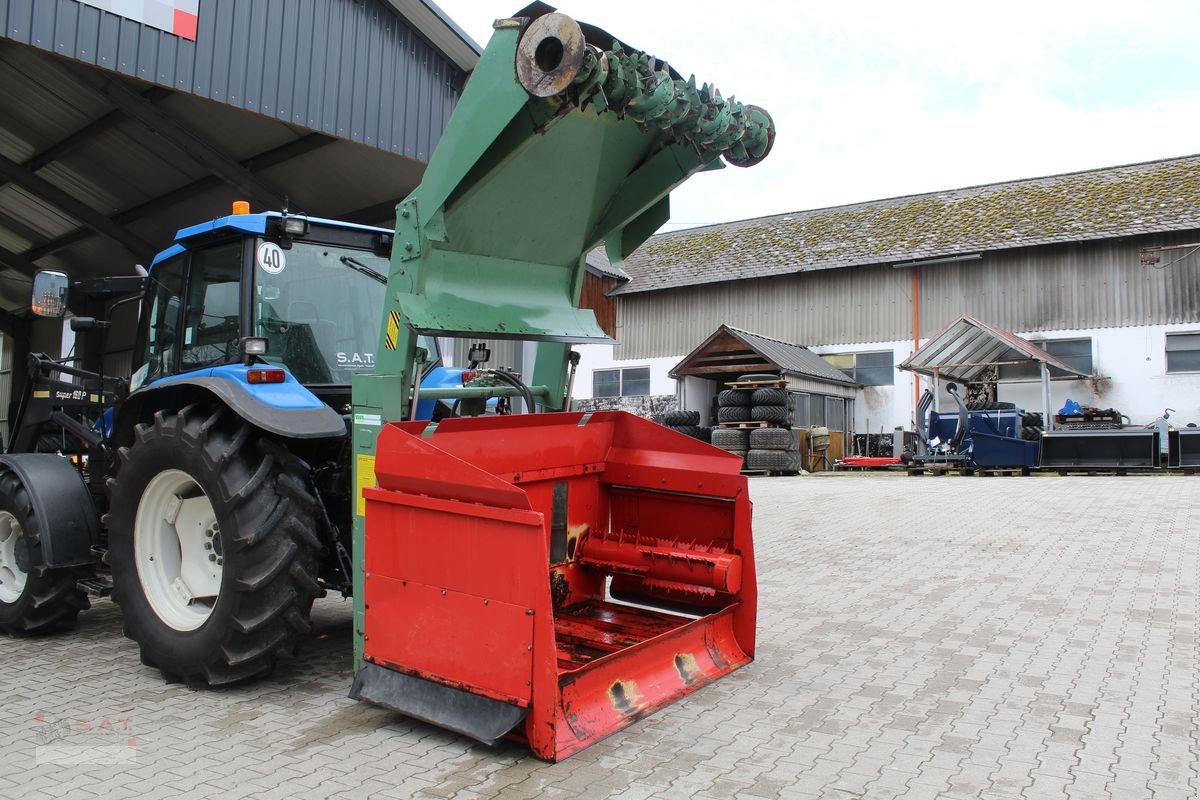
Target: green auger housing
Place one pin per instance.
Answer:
(564, 138)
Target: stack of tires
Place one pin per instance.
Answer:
(774, 449)
(687, 423)
(733, 405)
(1032, 426)
(769, 405)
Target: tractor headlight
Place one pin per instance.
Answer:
(295, 226)
(254, 346)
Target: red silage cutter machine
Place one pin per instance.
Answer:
(552, 578)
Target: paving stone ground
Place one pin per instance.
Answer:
(918, 638)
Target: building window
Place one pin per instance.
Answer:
(627, 382)
(816, 410)
(876, 368)
(799, 410)
(1075, 353)
(1183, 352)
(835, 413)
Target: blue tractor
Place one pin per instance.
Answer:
(251, 329)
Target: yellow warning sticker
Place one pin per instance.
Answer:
(393, 331)
(364, 477)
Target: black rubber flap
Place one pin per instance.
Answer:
(457, 710)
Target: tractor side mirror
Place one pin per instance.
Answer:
(50, 291)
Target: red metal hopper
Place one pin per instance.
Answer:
(552, 577)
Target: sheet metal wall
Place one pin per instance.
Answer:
(1062, 287)
(505, 352)
(351, 69)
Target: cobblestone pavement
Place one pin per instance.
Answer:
(941, 637)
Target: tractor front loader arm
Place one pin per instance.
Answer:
(564, 138)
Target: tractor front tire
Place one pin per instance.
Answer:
(32, 601)
(213, 543)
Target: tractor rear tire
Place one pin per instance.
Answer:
(213, 543)
(32, 601)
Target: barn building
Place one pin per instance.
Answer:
(1099, 267)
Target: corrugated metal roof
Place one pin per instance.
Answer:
(62, 130)
(1052, 288)
(1151, 197)
(598, 262)
(441, 30)
(711, 357)
(968, 346)
(354, 69)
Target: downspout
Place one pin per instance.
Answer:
(916, 306)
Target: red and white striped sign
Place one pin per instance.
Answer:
(173, 16)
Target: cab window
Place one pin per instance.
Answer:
(165, 286)
(212, 331)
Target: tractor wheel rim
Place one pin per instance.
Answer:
(12, 573)
(177, 550)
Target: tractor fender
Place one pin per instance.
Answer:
(67, 518)
(287, 410)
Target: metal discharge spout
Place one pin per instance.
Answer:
(554, 60)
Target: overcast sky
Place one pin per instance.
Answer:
(875, 100)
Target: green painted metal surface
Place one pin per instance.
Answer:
(564, 139)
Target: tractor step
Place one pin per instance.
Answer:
(98, 586)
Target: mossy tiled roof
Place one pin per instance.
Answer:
(1151, 197)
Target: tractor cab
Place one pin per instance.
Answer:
(300, 294)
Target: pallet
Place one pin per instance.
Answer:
(1120, 471)
(744, 425)
(763, 384)
(1014, 471)
(939, 469)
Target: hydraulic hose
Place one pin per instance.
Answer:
(512, 380)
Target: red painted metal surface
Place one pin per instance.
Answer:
(867, 462)
(452, 637)
(476, 511)
(709, 569)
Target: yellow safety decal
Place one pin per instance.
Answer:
(393, 331)
(41, 395)
(364, 477)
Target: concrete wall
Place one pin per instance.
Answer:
(1133, 365)
(883, 408)
(641, 405)
(594, 357)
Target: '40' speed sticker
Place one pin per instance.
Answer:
(270, 258)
